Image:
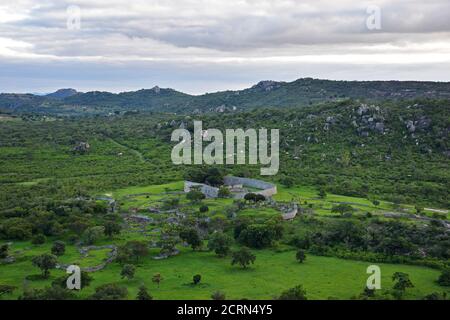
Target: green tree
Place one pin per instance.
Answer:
(244, 257)
(224, 192)
(93, 234)
(45, 262)
(4, 251)
(220, 243)
(191, 236)
(300, 256)
(401, 283)
(342, 208)
(128, 271)
(58, 248)
(110, 291)
(195, 196)
(38, 239)
(296, 293)
(6, 289)
(444, 278)
(196, 279)
(143, 294)
(112, 228)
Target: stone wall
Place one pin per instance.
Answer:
(208, 191)
(267, 189)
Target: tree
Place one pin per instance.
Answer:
(93, 234)
(157, 278)
(196, 279)
(128, 271)
(322, 193)
(342, 208)
(110, 291)
(218, 295)
(224, 192)
(296, 293)
(376, 203)
(112, 228)
(444, 278)
(203, 209)
(419, 209)
(132, 250)
(6, 289)
(48, 293)
(220, 243)
(38, 239)
(195, 196)
(143, 294)
(4, 251)
(301, 256)
(45, 262)
(58, 248)
(244, 257)
(191, 236)
(250, 197)
(287, 181)
(401, 283)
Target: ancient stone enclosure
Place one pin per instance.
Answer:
(238, 186)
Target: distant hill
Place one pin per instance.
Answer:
(62, 93)
(299, 93)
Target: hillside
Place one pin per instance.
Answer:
(299, 93)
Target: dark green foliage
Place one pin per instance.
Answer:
(342, 208)
(203, 209)
(243, 257)
(128, 271)
(444, 278)
(112, 228)
(224, 192)
(296, 293)
(132, 251)
(300, 256)
(401, 281)
(260, 235)
(58, 248)
(45, 262)
(220, 243)
(143, 294)
(110, 291)
(195, 196)
(6, 289)
(48, 293)
(196, 279)
(191, 236)
(4, 251)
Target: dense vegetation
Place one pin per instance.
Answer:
(351, 167)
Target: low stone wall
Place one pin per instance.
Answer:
(267, 189)
(208, 191)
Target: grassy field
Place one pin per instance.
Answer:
(273, 272)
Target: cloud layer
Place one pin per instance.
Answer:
(202, 45)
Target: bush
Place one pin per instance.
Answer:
(196, 279)
(296, 293)
(38, 239)
(218, 295)
(110, 291)
(444, 278)
(203, 209)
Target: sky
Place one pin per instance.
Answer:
(207, 46)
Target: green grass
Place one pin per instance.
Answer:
(273, 272)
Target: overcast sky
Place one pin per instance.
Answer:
(205, 46)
